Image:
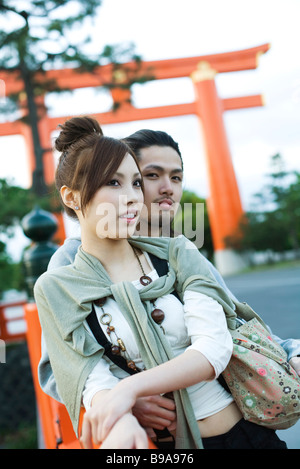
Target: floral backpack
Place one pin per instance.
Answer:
(263, 384)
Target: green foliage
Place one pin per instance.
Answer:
(15, 203)
(189, 197)
(23, 437)
(274, 222)
(9, 272)
(46, 37)
(37, 39)
(40, 36)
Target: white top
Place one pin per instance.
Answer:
(197, 324)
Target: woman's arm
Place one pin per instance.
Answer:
(187, 369)
(152, 411)
(207, 356)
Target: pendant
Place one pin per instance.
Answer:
(115, 350)
(110, 329)
(131, 365)
(158, 315)
(100, 302)
(107, 321)
(145, 280)
(121, 345)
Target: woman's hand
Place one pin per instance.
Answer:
(151, 412)
(107, 408)
(126, 434)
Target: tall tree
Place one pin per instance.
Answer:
(39, 35)
(284, 193)
(188, 221)
(274, 221)
(15, 203)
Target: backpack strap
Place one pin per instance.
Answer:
(161, 267)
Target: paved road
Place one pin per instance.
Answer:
(275, 295)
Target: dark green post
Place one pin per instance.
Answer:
(39, 226)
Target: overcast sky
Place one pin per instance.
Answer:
(163, 29)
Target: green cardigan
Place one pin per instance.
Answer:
(64, 298)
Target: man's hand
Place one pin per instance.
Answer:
(155, 411)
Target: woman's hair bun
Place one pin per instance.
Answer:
(75, 129)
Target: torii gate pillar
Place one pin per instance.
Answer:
(224, 203)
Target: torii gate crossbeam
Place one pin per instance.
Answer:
(224, 204)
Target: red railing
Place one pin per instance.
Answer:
(19, 321)
(55, 422)
(12, 321)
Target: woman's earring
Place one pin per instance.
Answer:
(76, 207)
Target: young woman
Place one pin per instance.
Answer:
(183, 350)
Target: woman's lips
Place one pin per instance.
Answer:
(129, 217)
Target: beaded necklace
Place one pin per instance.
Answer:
(116, 348)
(157, 315)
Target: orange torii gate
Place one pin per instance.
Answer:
(224, 204)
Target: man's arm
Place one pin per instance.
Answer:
(291, 346)
(65, 254)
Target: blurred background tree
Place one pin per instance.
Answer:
(42, 35)
(11, 274)
(274, 222)
(15, 203)
(189, 197)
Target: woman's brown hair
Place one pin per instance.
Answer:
(88, 158)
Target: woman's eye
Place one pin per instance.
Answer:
(113, 182)
(138, 183)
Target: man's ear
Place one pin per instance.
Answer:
(70, 198)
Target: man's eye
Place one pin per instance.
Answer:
(177, 178)
(151, 175)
